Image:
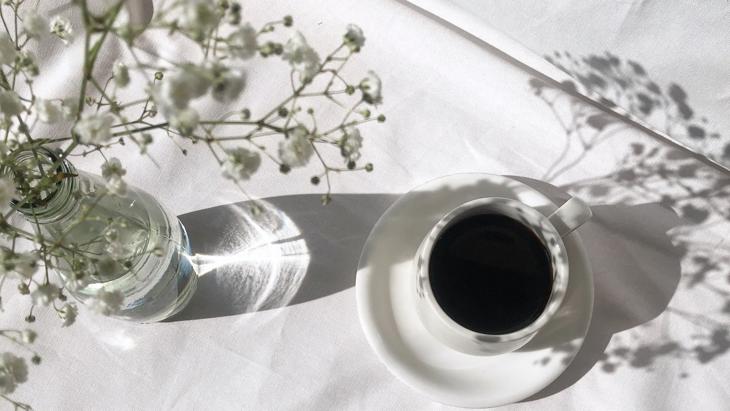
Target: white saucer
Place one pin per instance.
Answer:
(386, 306)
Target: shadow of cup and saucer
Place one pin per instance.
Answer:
(295, 250)
(636, 272)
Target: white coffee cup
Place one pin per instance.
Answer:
(549, 230)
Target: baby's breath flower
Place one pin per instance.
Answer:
(240, 163)
(233, 14)
(94, 128)
(7, 50)
(185, 121)
(112, 168)
(242, 43)
(177, 90)
(49, 111)
(350, 144)
(116, 249)
(106, 302)
(44, 294)
(10, 104)
(354, 38)
(270, 47)
(296, 150)
(77, 281)
(6, 260)
(121, 74)
(227, 84)
(7, 191)
(116, 186)
(26, 62)
(171, 95)
(112, 171)
(34, 24)
(13, 371)
(61, 27)
(371, 89)
(25, 264)
(68, 313)
(301, 56)
(199, 18)
(79, 276)
(70, 109)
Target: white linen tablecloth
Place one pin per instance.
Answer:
(659, 337)
(662, 63)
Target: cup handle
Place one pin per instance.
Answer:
(571, 215)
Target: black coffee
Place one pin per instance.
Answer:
(491, 274)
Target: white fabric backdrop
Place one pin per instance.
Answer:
(659, 338)
(683, 47)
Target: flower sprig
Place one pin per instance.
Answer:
(137, 101)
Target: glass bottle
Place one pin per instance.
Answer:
(136, 246)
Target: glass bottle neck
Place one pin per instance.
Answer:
(59, 202)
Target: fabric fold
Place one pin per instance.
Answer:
(617, 84)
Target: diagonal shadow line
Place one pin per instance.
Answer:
(624, 117)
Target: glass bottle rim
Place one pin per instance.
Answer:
(61, 193)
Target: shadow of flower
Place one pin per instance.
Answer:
(648, 172)
(622, 84)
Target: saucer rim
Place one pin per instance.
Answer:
(377, 340)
